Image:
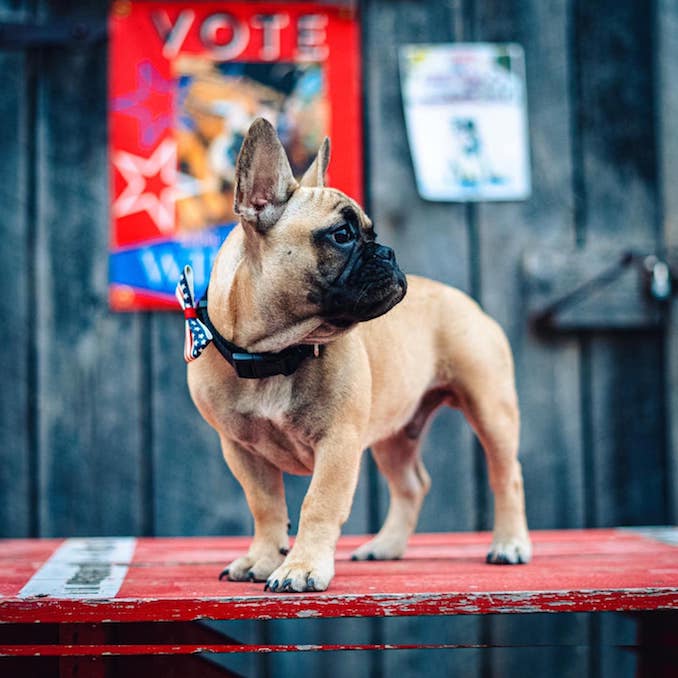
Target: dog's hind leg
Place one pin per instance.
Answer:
(408, 482)
(399, 459)
(494, 415)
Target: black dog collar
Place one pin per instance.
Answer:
(255, 365)
(199, 333)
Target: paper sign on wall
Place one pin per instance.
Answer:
(465, 110)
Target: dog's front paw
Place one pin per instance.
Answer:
(249, 568)
(510, 551)
(301, 576)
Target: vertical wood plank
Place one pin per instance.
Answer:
(194, 492)
(547, 371)
(667, 100)
(624, 416)
(88, 360)
(16, 421)
(619, 168)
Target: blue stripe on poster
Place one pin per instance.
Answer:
(156, 267)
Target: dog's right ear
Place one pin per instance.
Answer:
(263, 177)
(314, 177)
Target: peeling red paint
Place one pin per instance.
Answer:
(221, 648)
(441, 574)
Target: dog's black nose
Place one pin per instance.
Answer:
(384, 252)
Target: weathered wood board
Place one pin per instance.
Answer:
(97, 431)
(17, 470)
(165, 579)
(666, 28)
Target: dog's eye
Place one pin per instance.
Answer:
(343, 235)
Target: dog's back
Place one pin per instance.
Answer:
(439, 340)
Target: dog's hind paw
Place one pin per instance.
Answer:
(510, 551)
(382, 547)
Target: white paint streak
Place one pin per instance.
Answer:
(92, 568)
(308, 613)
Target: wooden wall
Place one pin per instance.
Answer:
(98, 435)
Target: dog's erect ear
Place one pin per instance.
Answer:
(314, 177)
(263, 177)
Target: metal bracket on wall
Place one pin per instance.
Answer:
(58, 33)
(598, 288)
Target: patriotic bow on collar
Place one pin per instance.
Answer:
(198, 335)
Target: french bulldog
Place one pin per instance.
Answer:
(376, 354)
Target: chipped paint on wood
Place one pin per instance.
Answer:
(225, 648)
(176, 580)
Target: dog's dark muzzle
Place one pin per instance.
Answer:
(370, 285)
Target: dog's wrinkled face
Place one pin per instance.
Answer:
(357, 278)
(313, 248)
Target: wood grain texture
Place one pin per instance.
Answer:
(601, 570)
(88, 360)
(617, 109)
(17, 472)
(624, 414)
(666, 27)
(194, 491)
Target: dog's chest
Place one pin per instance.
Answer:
(268, 399)
(260, 421)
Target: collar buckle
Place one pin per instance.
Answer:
(249, 365)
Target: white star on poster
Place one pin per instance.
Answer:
(137, 171)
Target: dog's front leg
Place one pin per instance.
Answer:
(265, 494)
(309, 565)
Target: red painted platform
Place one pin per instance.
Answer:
(441, 574)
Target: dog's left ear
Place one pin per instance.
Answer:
(263, 177)
(314, 177)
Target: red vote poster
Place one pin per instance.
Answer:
(186, 81)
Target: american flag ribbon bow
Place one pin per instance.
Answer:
(197, 335)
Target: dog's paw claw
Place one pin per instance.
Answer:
(223, 574)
